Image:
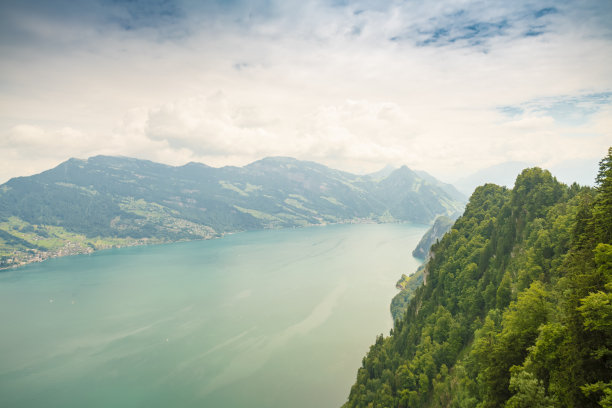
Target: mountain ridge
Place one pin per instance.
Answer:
(109, 201)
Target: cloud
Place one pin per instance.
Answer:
(34, 140)
(231, 82)
(28, 149)
(210, 126)
(357, 130)
(567, 109)
(213, 129)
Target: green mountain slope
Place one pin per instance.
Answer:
(409, 284)
(515, 310)
(83, 205)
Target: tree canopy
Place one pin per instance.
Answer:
(516, 308)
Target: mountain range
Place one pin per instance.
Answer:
(84, 205)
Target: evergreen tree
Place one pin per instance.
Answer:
(516, 308)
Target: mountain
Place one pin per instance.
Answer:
(501, 174)
(411, 197)
(101, 202)
(441, 226)
(382, 173)
(513, 309)
(449, 188)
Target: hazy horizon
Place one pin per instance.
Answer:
(449, 88)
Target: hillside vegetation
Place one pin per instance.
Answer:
(408, 284)
(516, 306)
(83, 205)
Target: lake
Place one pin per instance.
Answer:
(273, 318)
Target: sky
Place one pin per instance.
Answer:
(450, 87)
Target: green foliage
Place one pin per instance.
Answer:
(516, 308)
(603, 207)
(408, 286)
(528, 392)
(601, 388)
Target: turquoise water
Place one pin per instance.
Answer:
(259, 319)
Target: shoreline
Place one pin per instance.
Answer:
(71, 248)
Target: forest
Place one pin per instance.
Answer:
(515, 309)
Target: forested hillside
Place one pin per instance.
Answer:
(409, 284)
(516, 307)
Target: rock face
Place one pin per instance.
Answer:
(114, 201)
(440, 227)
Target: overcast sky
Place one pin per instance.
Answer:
(449, 87)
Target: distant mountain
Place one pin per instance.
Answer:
(413, 197)
(449, 188)
(569, 171)
(502, 174)
(83, 205)
(577, 170)
(383, 173)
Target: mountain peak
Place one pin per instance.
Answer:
(283, 162)
(122, 198)
(402, 172)
(275, 159)
(383, 173)
(193, 164)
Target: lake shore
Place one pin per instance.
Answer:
(84, 246)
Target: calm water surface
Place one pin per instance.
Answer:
(258, 319)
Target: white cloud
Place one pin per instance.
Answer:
(28, 149)
(210, 126)
(34, 140)
(304, 80)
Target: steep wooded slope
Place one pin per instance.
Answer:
(516, 306)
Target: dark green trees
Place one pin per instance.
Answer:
(516, 309)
